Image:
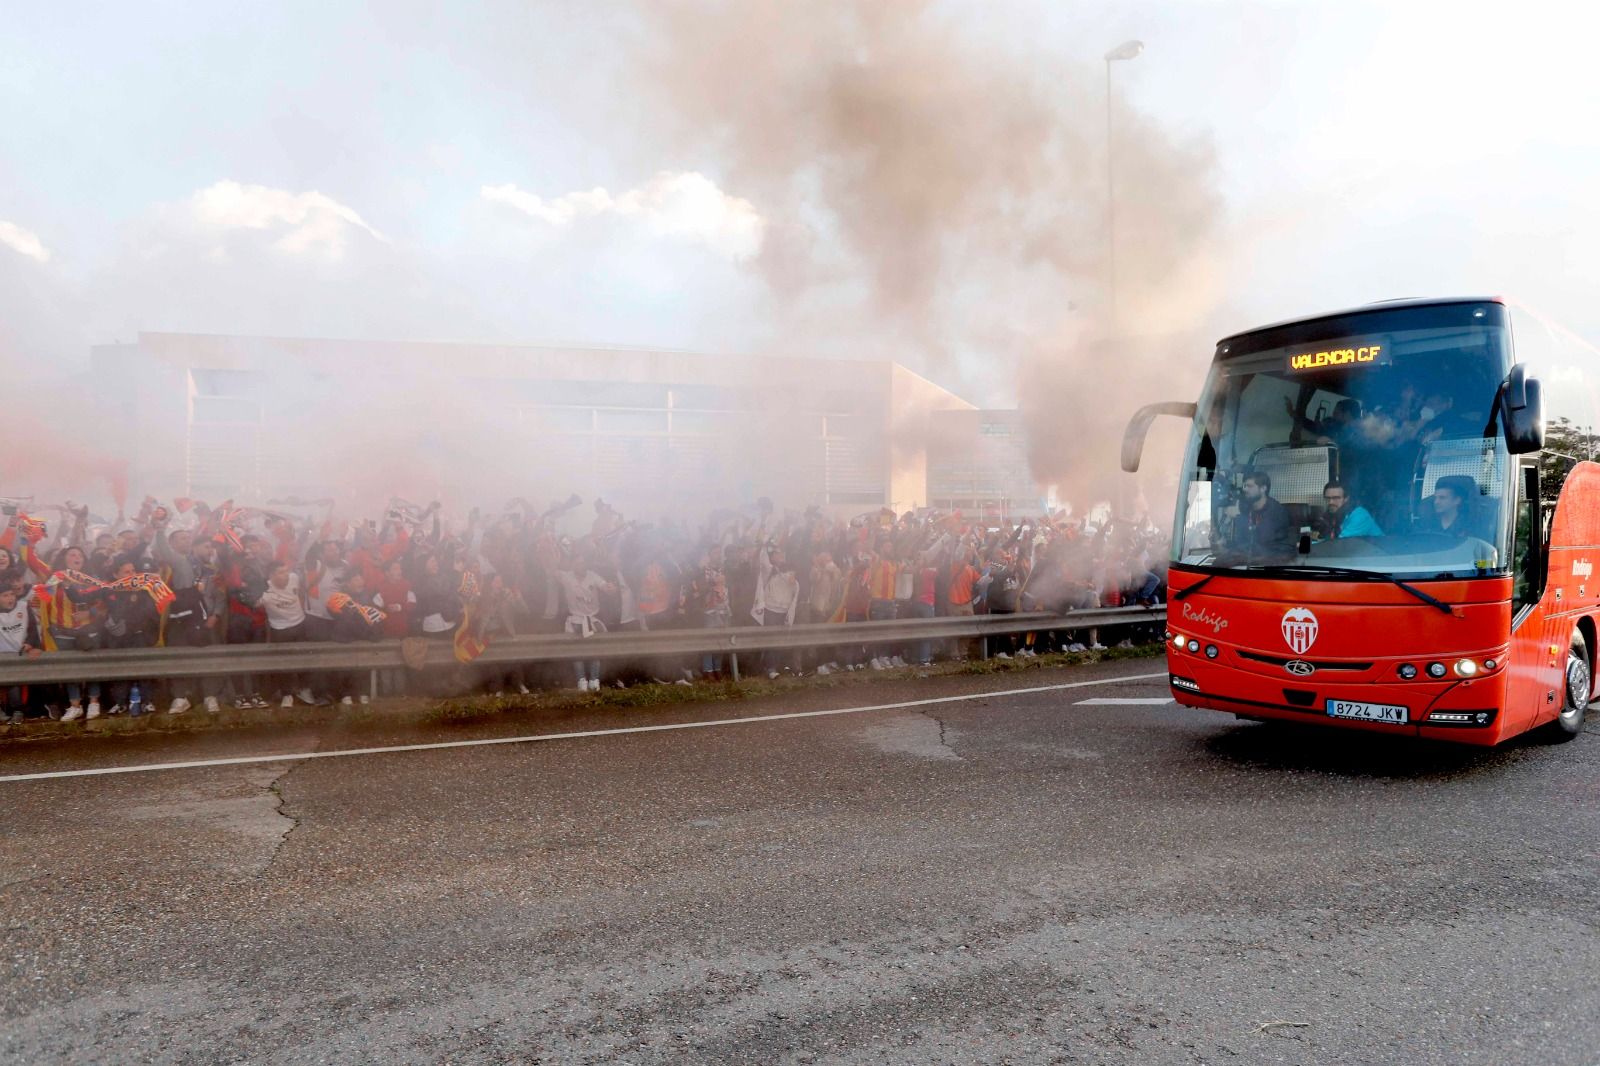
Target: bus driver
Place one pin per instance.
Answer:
(1262, 527)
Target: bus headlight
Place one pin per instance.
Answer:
(1436, 670)
(1177, 641)
(1466, 668)
(1194, 645)
(1407, 671)
(1212, 651)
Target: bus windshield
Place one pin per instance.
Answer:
(1364, 442)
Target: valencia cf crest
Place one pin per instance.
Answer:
(1299, 629)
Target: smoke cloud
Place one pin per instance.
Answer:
(941, 200)
(842, 178)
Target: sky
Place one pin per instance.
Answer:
(562, 172)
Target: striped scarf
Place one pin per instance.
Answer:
(146, 583)
(469, 641)
(341, 602)
(228, 526)
(32, 530)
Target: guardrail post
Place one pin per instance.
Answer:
(374, 685)
(733, 657)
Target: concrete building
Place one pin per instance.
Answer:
(256, 418)
(978, 463)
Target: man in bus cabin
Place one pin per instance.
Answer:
(1457, 510)
(1345, 517)
(1262, 528)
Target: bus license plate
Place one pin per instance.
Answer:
(1370, 712)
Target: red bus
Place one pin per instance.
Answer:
(1376, 528)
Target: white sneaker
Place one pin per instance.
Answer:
(306, 696)
(94, 709)
(73, 713)
(618, 683)
(1075, 647)
(365, 699)
(347, 702)
(686, 684)
(1002, 655)
(583, 684)
(897, 661)
(525, 690)
(179, 706)
(1097, 647)
(823, 671)
(116, 708)
(1125, 644)
(877, 664)
(287, 701)
(772, 675)
(212, 706)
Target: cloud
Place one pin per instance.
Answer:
(685, 204)
(303, 222)
(23, 242)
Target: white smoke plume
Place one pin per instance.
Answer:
(840, 178)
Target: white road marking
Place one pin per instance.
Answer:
(243, 760)
(1117, 701)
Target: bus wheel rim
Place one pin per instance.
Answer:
(1577, 687)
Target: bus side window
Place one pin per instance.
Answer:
(1528, 544)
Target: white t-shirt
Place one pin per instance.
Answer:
(14, 629)
(283, 606)
(582, 592)
(330, 581)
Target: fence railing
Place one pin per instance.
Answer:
(300, 658)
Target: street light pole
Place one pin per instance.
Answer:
(1124, 51)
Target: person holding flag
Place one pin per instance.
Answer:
(355, 619)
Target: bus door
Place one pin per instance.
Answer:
(1534, 682)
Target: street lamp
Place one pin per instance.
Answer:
(1125, 50)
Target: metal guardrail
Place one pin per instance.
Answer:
(234, 659)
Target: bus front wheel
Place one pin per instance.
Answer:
(1575, 694)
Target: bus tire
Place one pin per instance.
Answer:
(1577, 684)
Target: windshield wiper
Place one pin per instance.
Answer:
(1184, 594)
(1350, 571)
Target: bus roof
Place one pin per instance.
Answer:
(1379, 305)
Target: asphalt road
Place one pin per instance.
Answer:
(1018, 877)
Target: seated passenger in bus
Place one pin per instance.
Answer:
(1345, 517)
(1455, 510)
(1342, 428)
(1262, 527)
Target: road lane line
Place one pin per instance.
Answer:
(243, 760)
(1119, 701)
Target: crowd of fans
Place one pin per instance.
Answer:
(184, 574)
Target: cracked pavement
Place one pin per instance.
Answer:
(1005, 879)
(276, 788)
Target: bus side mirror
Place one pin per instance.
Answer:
(1522, 412)
(1139, 425)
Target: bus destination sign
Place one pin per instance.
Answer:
(1370, 351)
